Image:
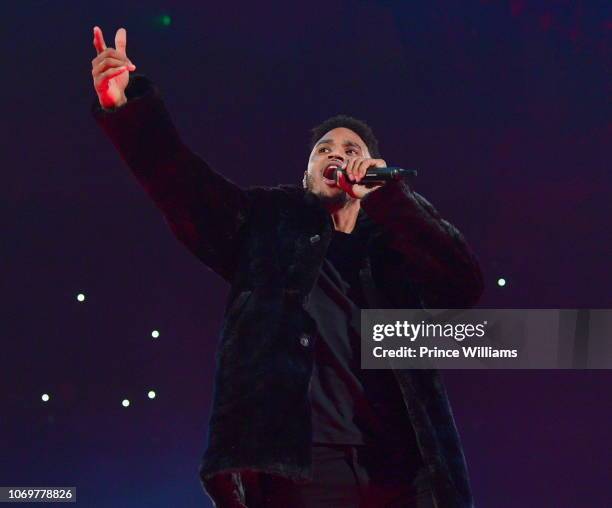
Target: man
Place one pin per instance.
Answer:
(295, 422)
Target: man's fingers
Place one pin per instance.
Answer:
(98, 40)
(349, 169)
(354, 165)
(107, 63)
(110, 53)
(121, 40)
(111, 73)
(360, 169)
(362, 166)
(380, 163)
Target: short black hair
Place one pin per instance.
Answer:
(362, 129)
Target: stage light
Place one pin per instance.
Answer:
(45, 397)
(162, 20)
(81, 297)
(501, 282)
(125, 403)
(151, 394)
(155, 334)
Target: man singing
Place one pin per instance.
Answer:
(295, 422)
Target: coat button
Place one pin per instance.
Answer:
(314, 239)
(305, 340)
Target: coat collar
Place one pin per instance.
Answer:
(312, 201)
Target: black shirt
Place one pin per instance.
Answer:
(350, 405)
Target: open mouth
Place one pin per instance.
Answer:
(329, 175)
(331, 183)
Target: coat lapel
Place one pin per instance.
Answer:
(312, 227)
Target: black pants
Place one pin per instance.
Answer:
(352, 477)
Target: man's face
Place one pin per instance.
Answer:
(335, 148)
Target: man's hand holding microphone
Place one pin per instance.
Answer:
(110, 69)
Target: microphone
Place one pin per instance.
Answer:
(374, 175)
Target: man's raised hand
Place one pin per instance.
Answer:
(110, 69)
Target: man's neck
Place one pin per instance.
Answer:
(345, 218)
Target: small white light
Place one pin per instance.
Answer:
(45, 397)
(501, 282)
(81, 297)
(155, 334)
(125, 403)
(151, 394)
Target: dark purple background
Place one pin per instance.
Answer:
(503, 108)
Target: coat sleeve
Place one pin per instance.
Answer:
(424, 249)
(205, 211)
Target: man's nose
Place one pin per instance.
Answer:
(336, 157)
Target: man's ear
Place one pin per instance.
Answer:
(304, 184)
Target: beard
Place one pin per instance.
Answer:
(330, 202)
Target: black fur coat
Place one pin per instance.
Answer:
(269, 243)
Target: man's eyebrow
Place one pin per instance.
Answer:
(331, 142)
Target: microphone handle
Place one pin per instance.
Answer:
(382, 175)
